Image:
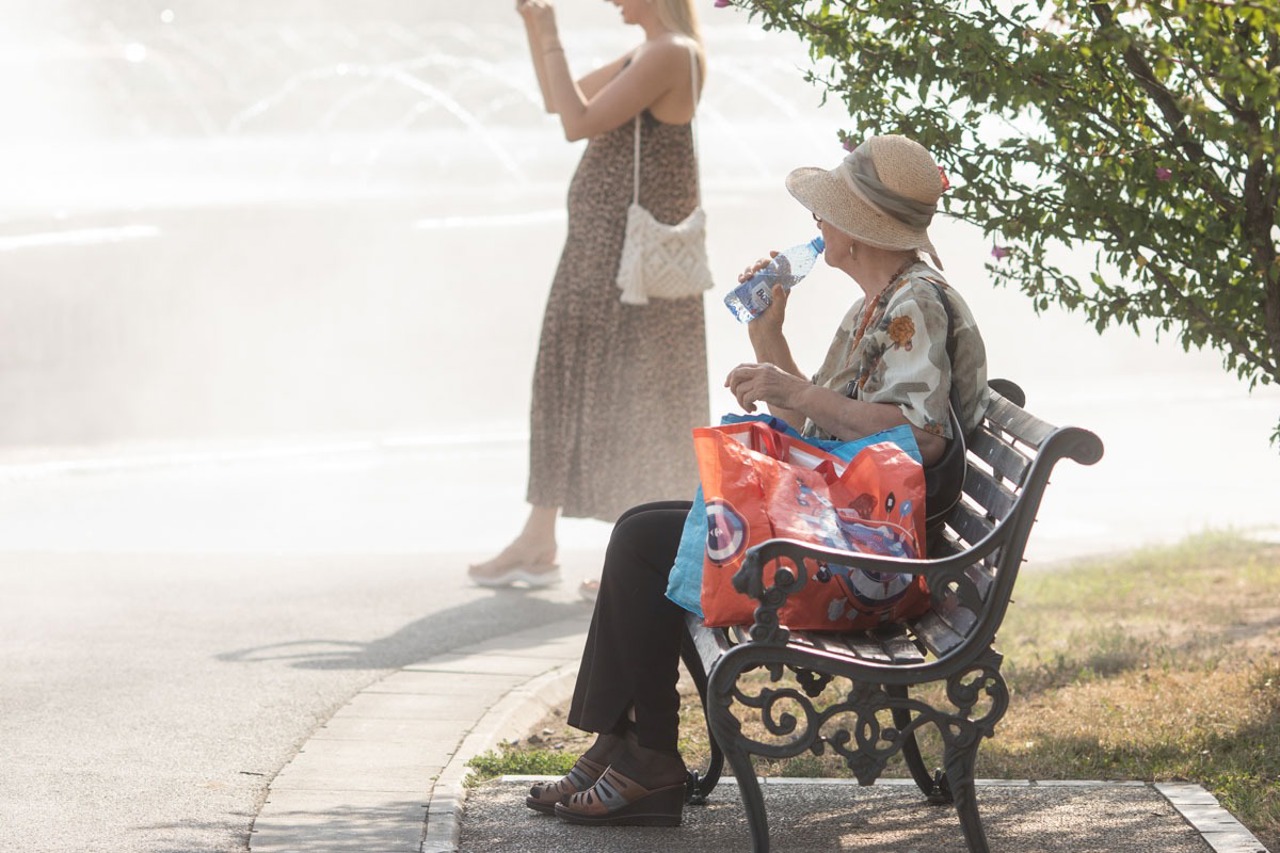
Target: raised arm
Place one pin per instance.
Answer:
(775, 379)
(609, 96)
(589, 86)
(539, 64)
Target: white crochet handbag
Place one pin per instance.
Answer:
(661, 261)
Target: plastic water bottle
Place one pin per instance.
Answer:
(749, 300)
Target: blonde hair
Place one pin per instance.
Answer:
(680, 16)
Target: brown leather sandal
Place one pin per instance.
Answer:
(583, 774)
(615, 800)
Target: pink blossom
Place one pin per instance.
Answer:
(946, 182)
(720, 4)
(1163, 174)
(999, 252)
(849, 144)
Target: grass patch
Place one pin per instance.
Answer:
(517, 760)
(1163, 665)
(1160, 665)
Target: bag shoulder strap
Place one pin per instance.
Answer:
(954, 396)
(944, 480)
(851, 389)
(693, 131)
(946, 309)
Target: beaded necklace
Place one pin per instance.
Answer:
(895, 281)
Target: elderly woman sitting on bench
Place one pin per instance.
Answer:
(888, 365)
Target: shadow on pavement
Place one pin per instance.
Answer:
(505, 612)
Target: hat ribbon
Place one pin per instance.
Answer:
(862, 176)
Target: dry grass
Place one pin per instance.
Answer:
(1161, 665)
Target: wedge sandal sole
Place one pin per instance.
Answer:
(660, 807)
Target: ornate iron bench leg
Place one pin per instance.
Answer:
(700, 785)
(726, 729)
(932, 785)
(752, 798)
(960, 758)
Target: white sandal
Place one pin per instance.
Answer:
(533, 576)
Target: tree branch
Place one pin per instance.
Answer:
(1261, 198)
(1163, 98)
(1199, 77)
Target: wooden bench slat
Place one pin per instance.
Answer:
(854, 644)
(959, 617)
(1004, 460)
(1027, 428)
(818, 640)
(710, 643)
(901, 648)
(868, 648)
(986, 492)
(968, 525)
(892, 645)
(937, 635)
(982, 576)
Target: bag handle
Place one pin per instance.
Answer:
(693, 131)
(767, 440)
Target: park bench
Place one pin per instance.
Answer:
(852, 692)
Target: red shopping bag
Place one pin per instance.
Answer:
(760, 484)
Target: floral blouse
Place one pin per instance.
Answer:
(901, 356)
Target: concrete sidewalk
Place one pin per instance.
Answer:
(807, 815)
(386, 775)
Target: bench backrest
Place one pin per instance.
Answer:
(1010, 457)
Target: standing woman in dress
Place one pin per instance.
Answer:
(616, 388)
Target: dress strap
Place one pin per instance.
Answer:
(693, 132)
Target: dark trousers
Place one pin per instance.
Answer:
(632, 655)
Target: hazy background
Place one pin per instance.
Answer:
(271, 278)
(244, 245)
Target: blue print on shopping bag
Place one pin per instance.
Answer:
(873, 589)
(726, 532)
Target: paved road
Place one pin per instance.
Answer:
(170, 636)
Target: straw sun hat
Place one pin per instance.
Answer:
(884, 194)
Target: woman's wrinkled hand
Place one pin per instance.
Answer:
(757, 266)
(771, 319)
(763, 383)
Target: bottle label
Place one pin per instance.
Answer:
(760, 296)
